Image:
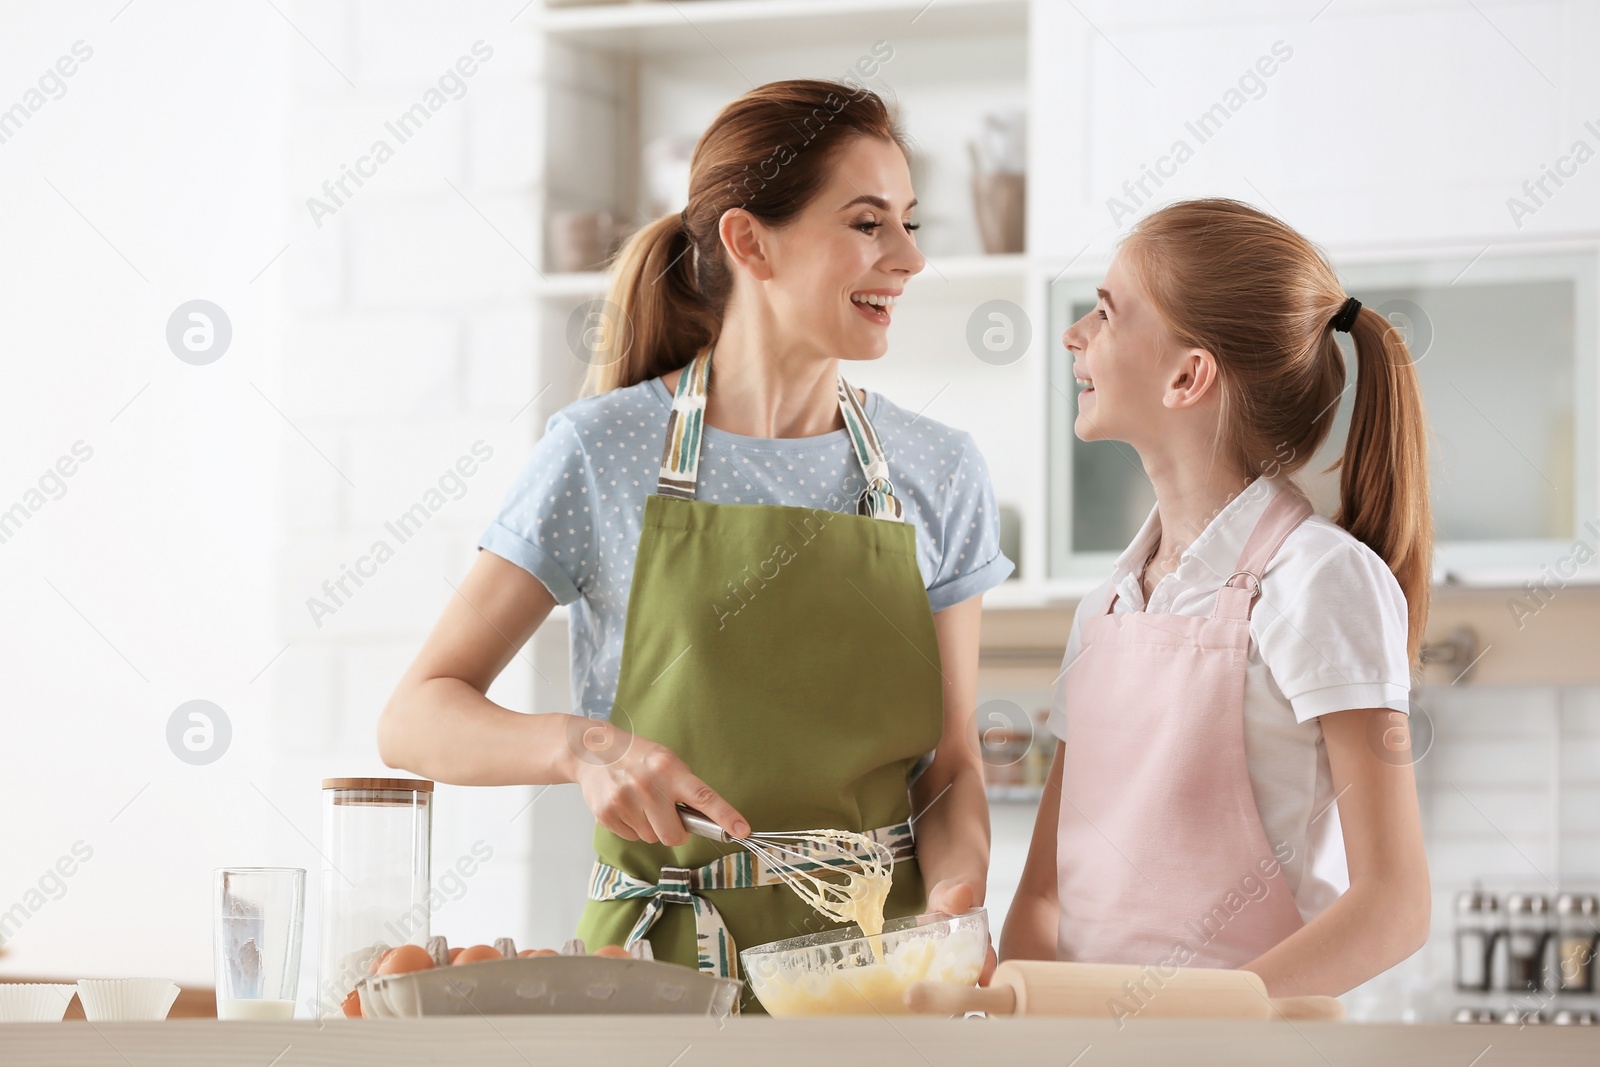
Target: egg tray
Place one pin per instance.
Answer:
(570, 983)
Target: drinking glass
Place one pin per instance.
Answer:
(260, 916)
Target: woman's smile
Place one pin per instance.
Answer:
(875, 305)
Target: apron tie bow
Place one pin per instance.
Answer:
(717, 954)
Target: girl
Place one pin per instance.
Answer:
(1232, 786)
(775, 579)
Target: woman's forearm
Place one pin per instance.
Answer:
(949, 807)
(439, 723)
(445, 730)
(1359, 936)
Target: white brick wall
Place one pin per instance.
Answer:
(411, 336)
(1505, 760)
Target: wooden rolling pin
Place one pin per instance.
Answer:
(1120, 991)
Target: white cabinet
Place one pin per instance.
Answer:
(1397, 134)
(1505, 343)
(620, 77)
(1445, 156)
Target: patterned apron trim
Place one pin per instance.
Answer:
(717, 953)
(680, 457)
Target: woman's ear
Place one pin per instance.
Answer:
(743, 238)
(1193, 378)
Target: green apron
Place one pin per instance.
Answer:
(787, 655)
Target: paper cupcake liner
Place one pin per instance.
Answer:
(126, 999)
(34, 1002)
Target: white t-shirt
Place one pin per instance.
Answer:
(1328, 634)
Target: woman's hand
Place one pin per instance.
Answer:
(634, 786)
(955, 897)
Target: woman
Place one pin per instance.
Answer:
(1233, 786)
(775, 579)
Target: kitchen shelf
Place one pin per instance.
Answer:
(1009, 267)
(1053, 592)
(1014, 794)
(581, 283)
(746, 24)
(953, 269)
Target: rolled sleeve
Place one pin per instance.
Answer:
(970, 563)
(1334, 698)
(1340, 642)
(513, 547)
(545, 524)
(970, 585)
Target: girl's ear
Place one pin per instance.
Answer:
(1193, 378)
(743, 237)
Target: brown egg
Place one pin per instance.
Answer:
(477, 954)
(352, 1005)
(406, 959)
(455, 952)
(377, 961)
(538, 952)
(612, 952)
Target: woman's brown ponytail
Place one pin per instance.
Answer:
(1262, 300)
(654, 319)
(768, 152)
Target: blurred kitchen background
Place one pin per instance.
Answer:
(178, 495)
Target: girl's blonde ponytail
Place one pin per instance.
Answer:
(1383, 475)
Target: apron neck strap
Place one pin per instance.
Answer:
(1284, 512)
(680, 457)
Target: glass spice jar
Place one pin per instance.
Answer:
(1527, 940)
(1477, 919)
(1577, 920)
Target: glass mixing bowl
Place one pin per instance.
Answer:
(843, 972)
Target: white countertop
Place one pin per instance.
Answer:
(664, 1041)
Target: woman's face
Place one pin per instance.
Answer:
(1119, 352)
(853, 244)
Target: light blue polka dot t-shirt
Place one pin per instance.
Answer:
(573, 517)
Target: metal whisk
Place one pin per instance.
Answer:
(801, 857)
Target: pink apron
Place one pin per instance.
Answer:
(1161, 858)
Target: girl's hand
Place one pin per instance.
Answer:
(634, 786)
(955, 897)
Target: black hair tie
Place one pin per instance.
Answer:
(683, 218)
(1346, 316)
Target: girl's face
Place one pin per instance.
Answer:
(1122, 354)
(836, 269)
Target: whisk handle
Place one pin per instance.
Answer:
(697, 824)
